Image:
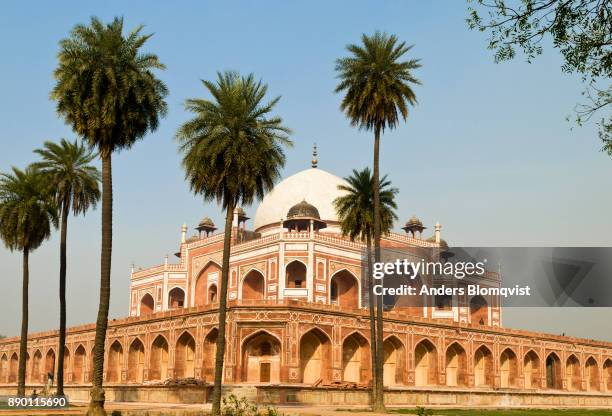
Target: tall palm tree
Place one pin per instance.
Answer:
(356, 213)
(233, 152)
(107, 91)
(27, 213)
(377, 93)
(74, 183)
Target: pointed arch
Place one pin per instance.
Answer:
(67, 366)
(483, 367)
(158, 361)
(261, 358)
(531, 370)
(184, 356)
(315, 356)
(591, 374)
(13, 368)
(80, 360)
(200, 289)
(252, 286)
(393, 361)
(115, 361)
(209, 353)
(425, 363)
(295, 274)
(49, 363)
(508, 369)
(479, 310)
(36, 374)
(176, 298)
(344, 289)
(3, 368)
(456, 365)
(136, 359)
(607, 375)
(553, 371)
(572, 373)
(147, 304)
(356, 358)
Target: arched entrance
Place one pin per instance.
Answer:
(355, 359)
(13, 368)
(591, 374)
(393, 368)
(147, 304)
(553, 372)
(184, 356)
(344, 290)
(253, 286)
(158, 364)
(295, 275)
(315, 356)
(67, 364)
(607, 374)
(456, 362)
(78, 373)
(209, 355)
(212, 294)
(572, 373)
(176, 298)
(261, 359)
(479, 311)
(210, 273)
(49, 364)
(483, 367)
(36, 368)
(115, 359)
(508, 368)
(425, 364)
(3, 368)
(531, 370)
(135, 370)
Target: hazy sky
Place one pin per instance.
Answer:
(487, 151)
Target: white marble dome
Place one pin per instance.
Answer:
(315, 186)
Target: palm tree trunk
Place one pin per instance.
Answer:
(23, 341)
(379, 405)
(96, 405)
(371, 307)
(220, 354)
(62, 297)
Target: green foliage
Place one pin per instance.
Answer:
(356, 207)
(376, 83)
(580, 29)
(74, 180)
(27, 211)
(233, 147)
(421, 411)
(106, 89)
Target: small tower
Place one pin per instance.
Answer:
(207, 226)
(414, 226)
(303, 217)
(183, 233)
(315, 154)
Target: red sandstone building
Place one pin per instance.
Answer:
(297, 320)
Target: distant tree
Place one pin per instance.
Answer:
(377, 86)
(74, 186)
(233, 152)
(107, 91)
(355, 210)
(27, 214)
(580, 29)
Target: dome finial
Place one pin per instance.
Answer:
(315, 161)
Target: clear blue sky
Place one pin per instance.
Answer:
(487, 151)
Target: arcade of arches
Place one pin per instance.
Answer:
(319, 355)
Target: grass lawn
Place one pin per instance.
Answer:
(510, 412)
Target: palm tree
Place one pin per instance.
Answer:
(233, 152)
(378, 93)
(74, 184)
(27, 214)
(107, 91)
(356, 213)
